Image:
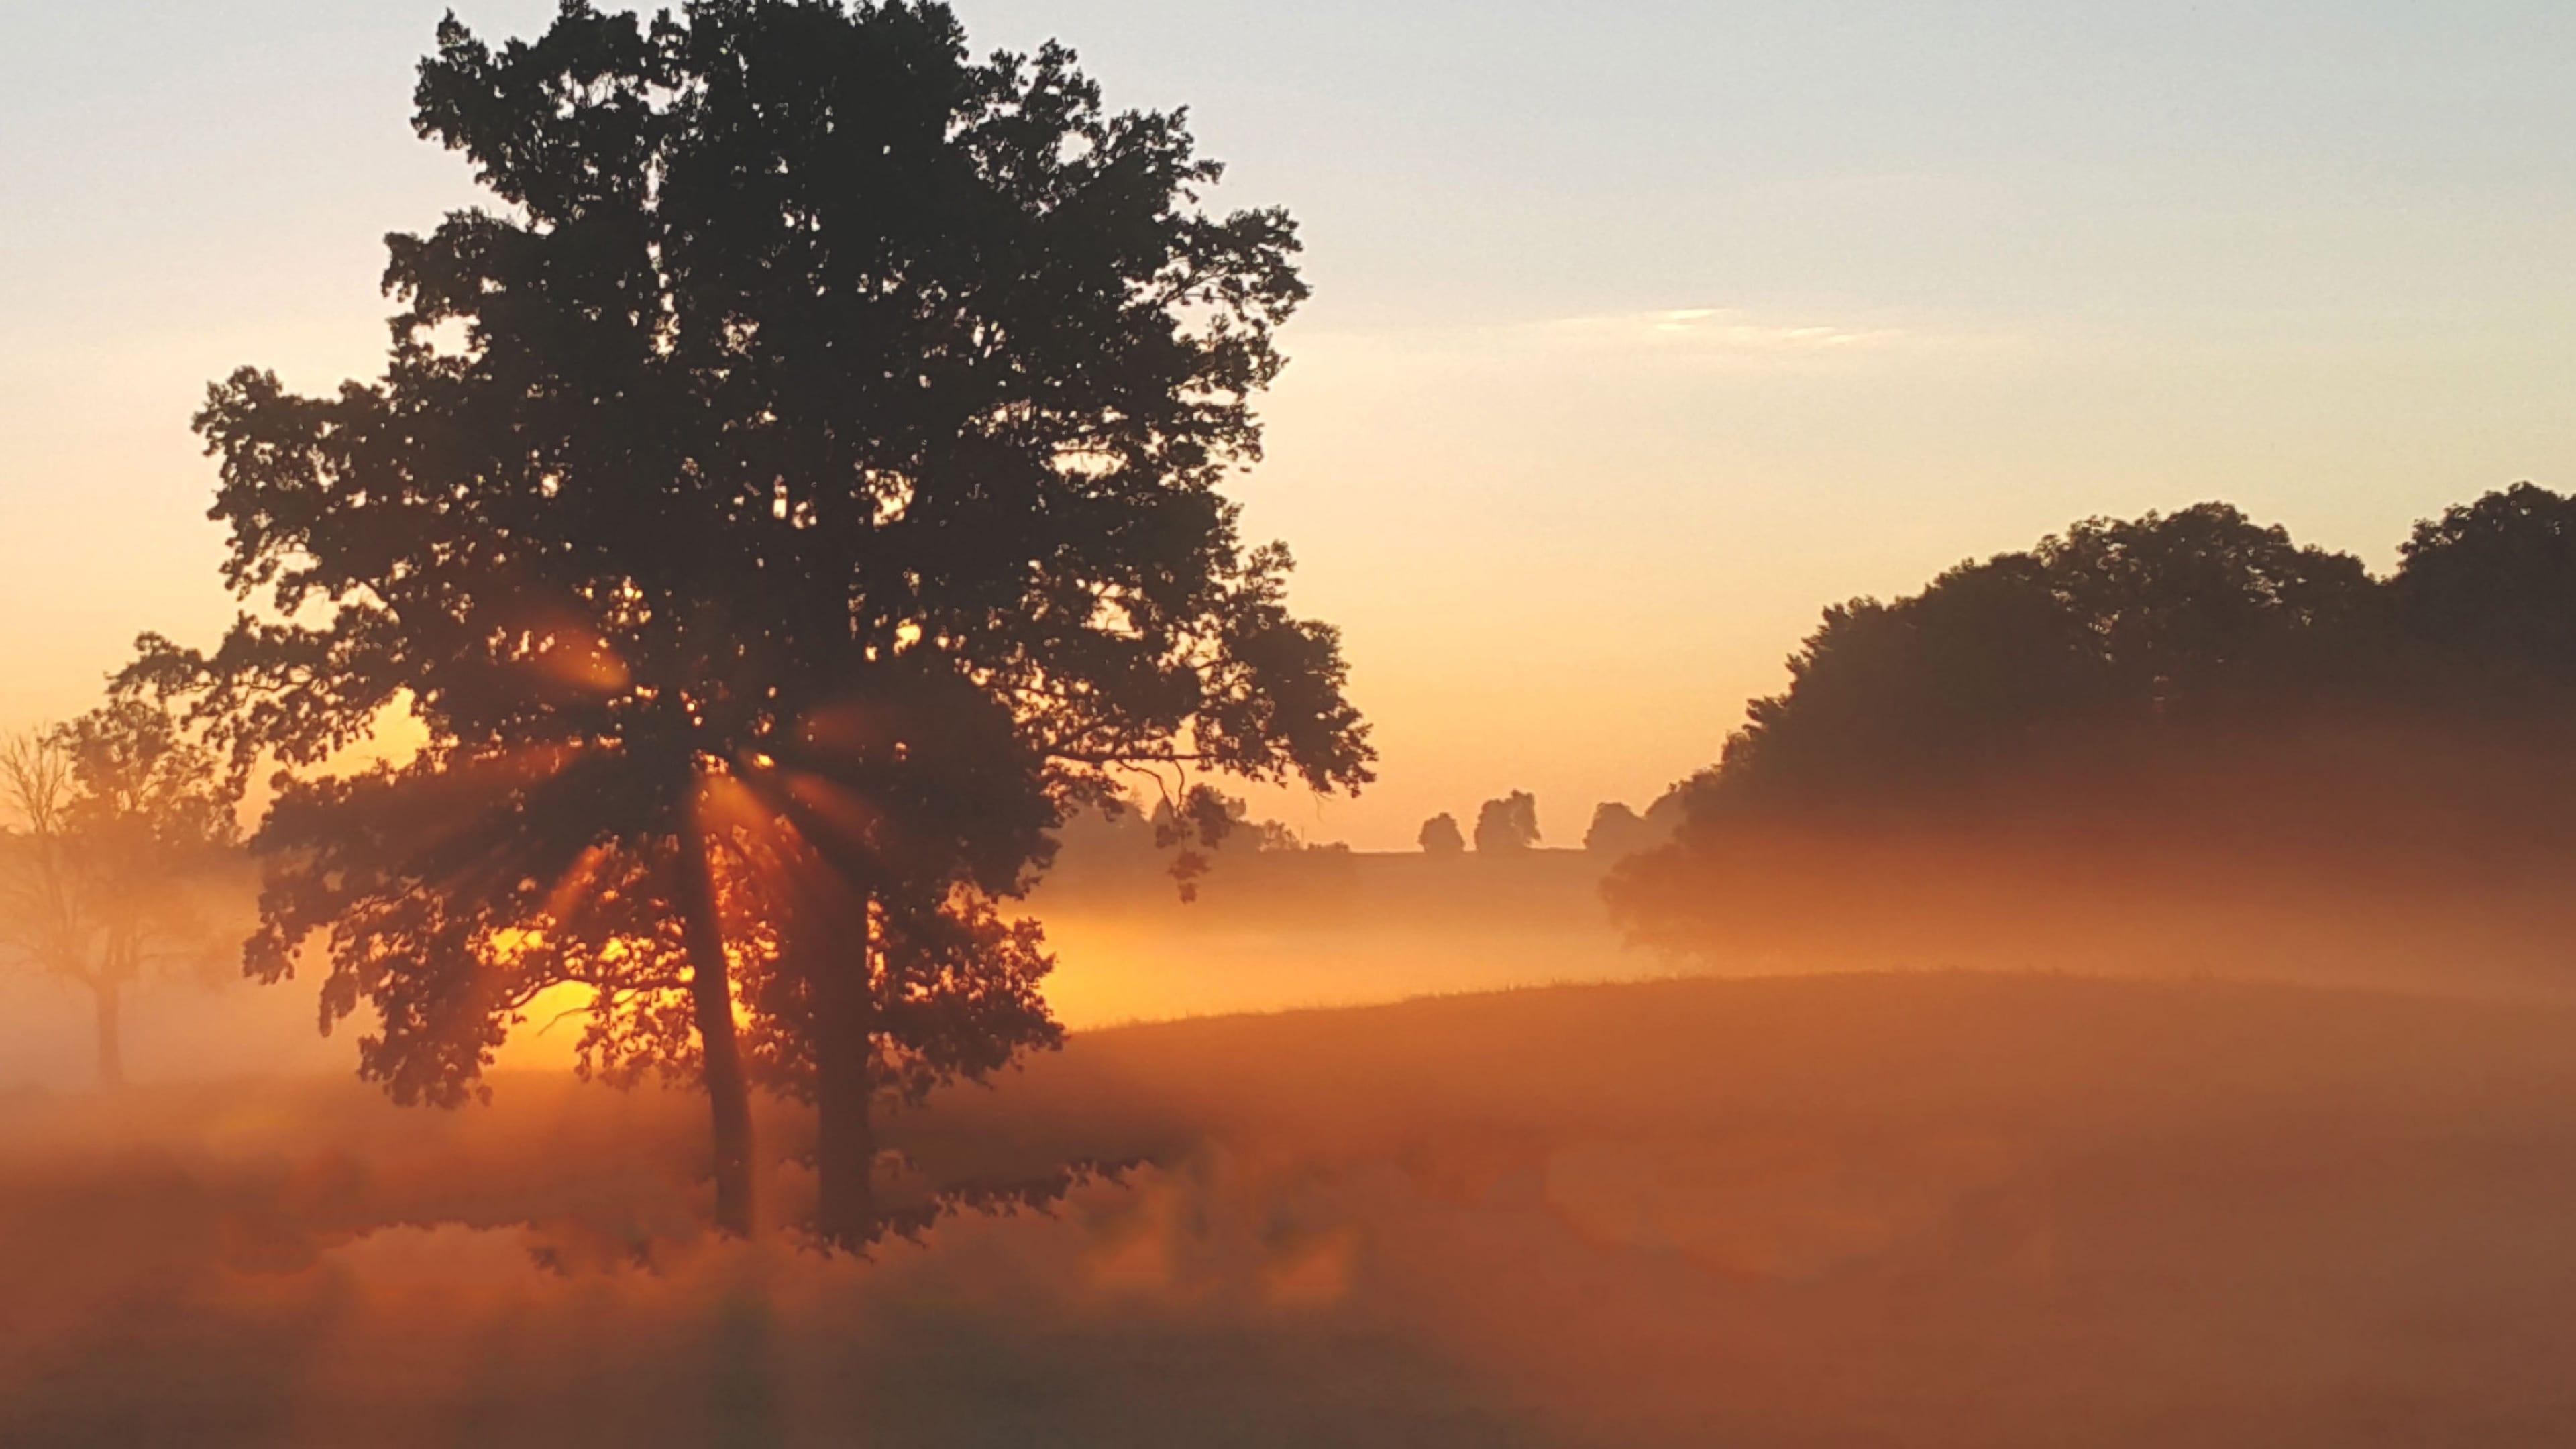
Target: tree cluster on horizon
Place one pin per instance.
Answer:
(1508, 824)
(2109, 675)
(1180, 839)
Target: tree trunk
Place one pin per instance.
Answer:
(845, 1148)
(711, 1002)
(110, 998)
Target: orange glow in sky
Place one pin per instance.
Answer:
(1591, 413)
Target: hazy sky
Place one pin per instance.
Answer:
(1640, 331)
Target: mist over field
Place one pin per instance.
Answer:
(2075, 1114)
(2140, 1196)
(1945, 1208)
(1268, 931)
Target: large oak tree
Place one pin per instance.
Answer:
(789, 497)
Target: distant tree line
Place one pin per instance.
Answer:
(1503, 825)
(1509, 823)
(1178, 839)
(2107, 675)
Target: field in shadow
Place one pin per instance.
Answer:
(1842, 1210)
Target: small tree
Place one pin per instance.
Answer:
(1440, 836)
(1615, 830)
(117, 822)
(1508, 824)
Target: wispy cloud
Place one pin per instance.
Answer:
(1717, 329)
(1725, 338)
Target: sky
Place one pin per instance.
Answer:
(1640, 332)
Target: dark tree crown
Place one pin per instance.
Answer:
(818, 414)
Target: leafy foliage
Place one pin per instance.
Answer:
(1510, 823)
(807, 468)
(2194, 679)
(2115, 625)
(1440, 836)
(2489, 591)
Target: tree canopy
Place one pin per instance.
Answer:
(2113, 625)
(1507, 824)
(789, 498)
(1440, 835)
(2191, 677)
(2489, 589)
(1618, 830)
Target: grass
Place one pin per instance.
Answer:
(1948, 1208)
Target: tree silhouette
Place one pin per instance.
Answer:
(797, 496)
(2487, 593)
(1510, 823)
(2116, 624)
(2153, 678)
(119, 820)
(1440, 836)
(1617, 830)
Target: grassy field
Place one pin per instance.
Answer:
(1845, 1210)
